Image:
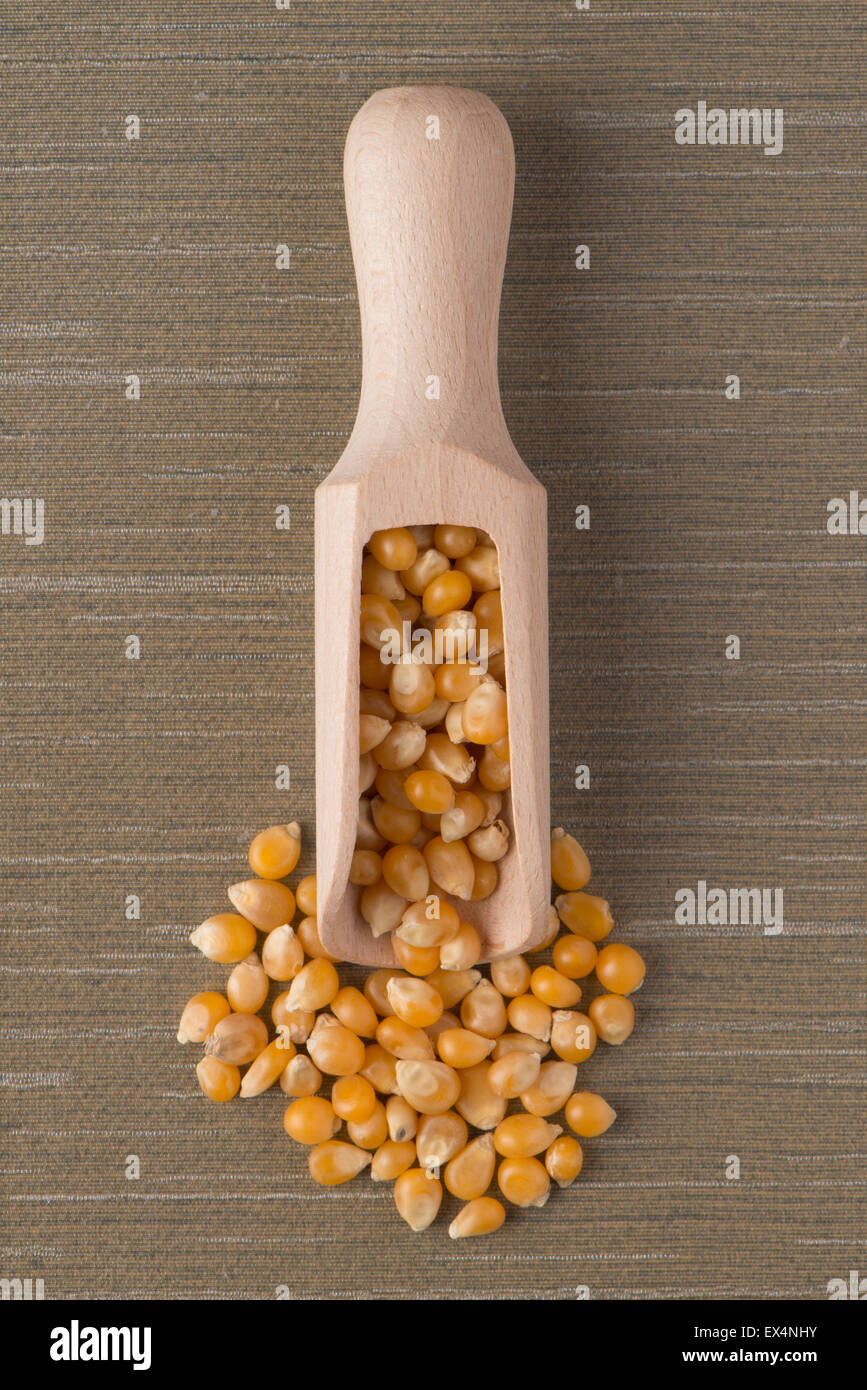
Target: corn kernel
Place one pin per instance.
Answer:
(274, 852)
(300, 1077)
(429, 1087)
(620, 969)
(369, 1133)
(393, 823)
(402, 1119)
(485, 879)
(519, 1042)
(480, 1217)
(524, 1182)
(527, 1014)
(478, 1103)
(523, 1136)
(405, 871)
(574, 956)
(429, 564)
(374, 673)
(401, 748)
(451, 759)
(551, 1089)
(489, 842)
(226, 938)
(376, 579)
(394, 548)
(403, 1040)
(266, 1068)
(462, 952)
(482, 568)
(446, 593)
(354, 1100)
(488, 612)
(201, 1015)
(494, 773)
(511, 976)
(418, 960)
(380, 1069)
(585, 915)
(307, 932)
(315, 985)
(412, 687)
(311, 1120)
(305, 895)
(366, 867)
(293, 1025)
(589, 1114)
(564, 1160)
(514, 1073)
(391, 1159)
(485, 715)
(613, 1017)
(483, 1010)
(247, 986)
(238, 1038)
(375, 989)
(267, 905)
(417, 1197)
(334, 1049)
(453, 985)
(334, 1162)
(282, 954)
(356, 1013)
(471, 1171)
(554, 989)
(439, 1138)
(219, 1080)
(429, 923)
(455, 541)
(414, 1001)
(380, 907)
(430, 792)
(459, 1047)
(573, 1036)
(463, 817)
(570, 867)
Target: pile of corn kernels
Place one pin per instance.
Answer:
(423, 1064)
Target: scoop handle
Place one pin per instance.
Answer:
(429, 176)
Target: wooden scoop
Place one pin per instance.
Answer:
(429, 175)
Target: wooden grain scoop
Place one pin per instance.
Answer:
(429, 175)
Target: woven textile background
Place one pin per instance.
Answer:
(158, 257)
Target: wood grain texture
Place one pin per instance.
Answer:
(429, 223)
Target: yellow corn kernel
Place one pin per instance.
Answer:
(551, 1089)
(492, 802)
(446, 593)
(267, 1068)
(485, 716)
(305, 895)
(402, 1119)
(451, 759)
(522, 1136)
(554, 989)
(494, 773)
(376, 579)
(511, 976)
(405, 871)
(293, 1025)
(479, 1105)
(483, 1010)
(465, 816)
(503, 749)
(375, 702)
(456, 681)
(527, 1014)
(488, 613)
(371, 731)
(613, 1017)
(429, 564)
(585, 915)
(454, 723)
(356, 1013)
(514, 1073)
(417, 1197)
(430, 792)
(453, 985)
(335, 1162)
(311, 1120)
(367, 770)
(375, 989)
(589, 1114)
(573, 1036)
(471, 1171)
(372, 1132)
(267, 905)
(411, 687)
(300, 1077)
(445, 1021)
(418, 960)
(353, 1099)
(336, 1050)
(570, 867)
(282, 954)
(497, 667)
(462, 952)
(481, 567)
(459, 1047)
(429, 923)
(574, 956)
(439, 1138)
(237, 1038)
(489, 842)
(414, 1001)
(480, 1217)
(620, 969)
(201, 1015)
(485, 879)
(402, 747)
(219, 1080)
(374, 673)
(455, 541)
(391, 1159)
(380, 907)
(380, 1069)
(564, 1160)
(225, 938)
(403, 1040)
(307, 932)
(274, 852)
(366, 834)
(393, 546)
(379, 621)
(518, 1042)
(366, 867)
(524, 1182)
(423, 536)
(315, 985)
(451, 867)
(433, 715)
(429, 1087)
(247, 986)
